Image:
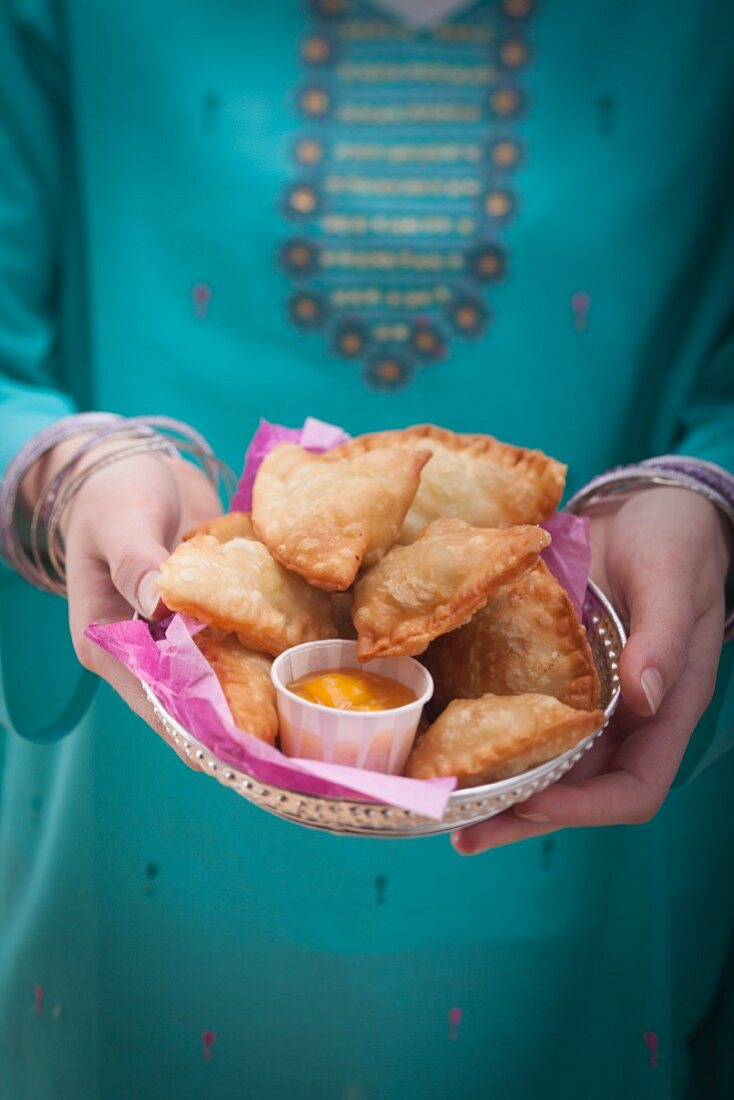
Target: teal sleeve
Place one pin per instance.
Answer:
(32, 177)
(32, 194)
(708, 423)
(708, 433)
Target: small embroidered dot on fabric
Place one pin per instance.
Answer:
(208, 1039)
(201, 295)
(580, 306)
(456, 1015)
(652, 1042)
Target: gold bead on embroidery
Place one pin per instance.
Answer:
(514, 53)
(506, 153)
(332, 7)
(518, 8)
(498, 204)
(303, 199)
(316, 49)
(309, 151)
(504, 101)
(388, 370)
(314, 101)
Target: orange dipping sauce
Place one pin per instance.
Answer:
(352, 689)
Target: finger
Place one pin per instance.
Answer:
(127, 517)
(661, 598)
(616, 797)
(134, 543)
(508, 828)
(512, 825)
(504, 828)
(92, 599)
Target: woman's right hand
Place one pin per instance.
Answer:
(122, 524)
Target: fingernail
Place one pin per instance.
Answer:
(652, 684)
(460, 845)
(539, 819)
(148, 593)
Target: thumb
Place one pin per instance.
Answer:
(662, 617)
(134, 545)
(134, 569)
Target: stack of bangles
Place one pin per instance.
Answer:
(42, 563)
(672, 471)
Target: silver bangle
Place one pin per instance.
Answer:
(44, 560)
(623, 482)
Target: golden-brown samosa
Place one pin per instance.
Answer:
(437, 583)
(237, 586)
(497, 736)
(232, 525)
(527, 639)
(324, 516)
(471, 477)
(245, 679)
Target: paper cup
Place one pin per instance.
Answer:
(378, 740)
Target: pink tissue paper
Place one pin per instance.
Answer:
(315, 436)
(165, 657)
(569, 555)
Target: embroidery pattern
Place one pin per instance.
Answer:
(402, 180)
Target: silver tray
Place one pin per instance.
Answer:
(465, 807)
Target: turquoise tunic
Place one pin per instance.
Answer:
(519, 223)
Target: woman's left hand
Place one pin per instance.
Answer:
(662, 557)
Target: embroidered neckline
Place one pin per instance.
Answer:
(403, 181)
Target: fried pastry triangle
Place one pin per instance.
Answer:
(472, 477)
(435, 585)
(245, 679)
(323, 517)
(497, 736)
(232, 525)
(237, 586)
(527, 639)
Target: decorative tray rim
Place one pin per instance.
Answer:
(503, 793)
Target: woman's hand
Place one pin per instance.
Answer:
(118, 529)
(662, 557)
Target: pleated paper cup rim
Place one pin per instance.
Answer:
(350, 646)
